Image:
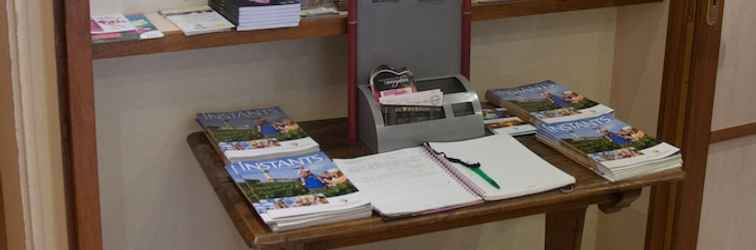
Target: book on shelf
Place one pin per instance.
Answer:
(119, 28)
(110, 24)
(318, 8)
(446, 175)
(501, 121)
(255, 134)
(298, 191)
(259, 14)
(611, 148)
(546, 102)
(197, 20)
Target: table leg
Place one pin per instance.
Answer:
(564, 229)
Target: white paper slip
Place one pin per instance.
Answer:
(425, 98)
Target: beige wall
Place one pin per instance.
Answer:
(727, 216)
(636, 88)
(31, 148)
(737, 59)
(154, 196)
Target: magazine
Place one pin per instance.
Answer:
(614, 145)
(143, 29)
(500, 121)
(110, 24)
(256, 134)
(303, 188)
(197, 20)
(546, 102)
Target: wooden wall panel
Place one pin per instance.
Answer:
(10, 192)
(7, 131)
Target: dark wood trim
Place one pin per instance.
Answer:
(59, 13)
(7, 120)
(687, 106)
(727, 134)
(334, 26)
(564, 229)
(700, 104)
(78, 92)
(671, 116)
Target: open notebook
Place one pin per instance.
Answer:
(435, 177)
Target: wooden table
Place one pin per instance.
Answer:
(565, 211)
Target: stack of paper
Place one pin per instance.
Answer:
(298, 191)
(260, 14)
(501, 121)
(587, 131)
(280, 169)
(197, 20)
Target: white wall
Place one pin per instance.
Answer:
(154, 195)
(636, 90)
(727, 217)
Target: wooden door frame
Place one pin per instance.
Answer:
(5, 76)
(687, 101)
(79, 135)
(689, 74)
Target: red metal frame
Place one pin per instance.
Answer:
(352, 69)
(466, 37)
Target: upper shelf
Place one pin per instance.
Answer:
(331, 26)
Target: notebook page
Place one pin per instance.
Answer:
(405, 182)
(517, 170)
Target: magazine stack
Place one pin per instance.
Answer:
(501, 121)
(281, 171)
(587, 131)
(260, 14)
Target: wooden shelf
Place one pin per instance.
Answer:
(331, 134)
(514, 8)
(326, 26)
(176, 41)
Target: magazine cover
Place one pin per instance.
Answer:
(550, 102)
(110, 24)
(144, 29)
(256, 134)
(500, 121)
(292, 182)
(608, 141)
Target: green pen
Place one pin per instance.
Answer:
(475, 167)
(485, 176)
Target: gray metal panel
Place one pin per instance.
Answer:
(381, 138)
(424, 35)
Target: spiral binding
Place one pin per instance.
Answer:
(447, 166)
